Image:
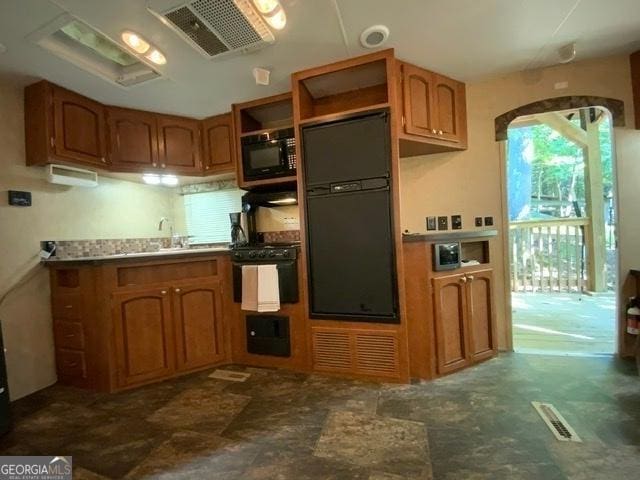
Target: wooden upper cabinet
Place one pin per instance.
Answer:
(417, 86)
(133, 139)
(198, 324)
(450, 311)
(434, 106)
(179, 144)
(79, 127)
(482, 327)
(219, 154)
(143, 335)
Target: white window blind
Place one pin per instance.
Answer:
(207, 215)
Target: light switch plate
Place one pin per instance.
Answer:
(431, 223)
(478, 221)
(443, 223)
(488, 221)
(456, 222)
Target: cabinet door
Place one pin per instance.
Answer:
(448, 108)
(417, 86)
(179, 144)
(133, 139)
(482, 328)
(450, 323)
(198, 324)
(79, 127)
(218, 145)
(143, 335)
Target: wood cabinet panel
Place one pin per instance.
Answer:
(79, 127)
(418, 101)
(133, 139)
(482, 326)
(71, 364)
(450, 306)
(179, 144)
(219, 153)
(447, 107)
(143, 335)
(198, 324)
(68, 334)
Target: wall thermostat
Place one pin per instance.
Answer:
(19, 199)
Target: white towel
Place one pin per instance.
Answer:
(249, 288)
(268, 289)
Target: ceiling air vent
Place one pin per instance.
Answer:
(215, 27)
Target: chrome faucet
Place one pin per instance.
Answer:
(164, 220)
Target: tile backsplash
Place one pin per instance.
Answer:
(112, 246)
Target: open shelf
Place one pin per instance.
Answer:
(475, 250)
(346, 88)
(265, 114)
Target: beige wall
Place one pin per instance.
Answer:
(469, 182)
(114, 209)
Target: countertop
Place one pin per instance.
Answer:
(177, 252)
(451, 235)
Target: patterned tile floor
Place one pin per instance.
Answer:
(476, 424)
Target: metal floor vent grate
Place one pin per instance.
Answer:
(556, 422)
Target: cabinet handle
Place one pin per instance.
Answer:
(470, 278)
(439, 132)
(163, 165)
(71, 364)
(53, 142)
(163, 292)
(177, 290)
(154, 164)
(103, 160)
(70, 335)
(463, 279)
(68, 306)
(433, 130)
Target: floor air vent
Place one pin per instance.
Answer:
(215, 27)
(556, 422)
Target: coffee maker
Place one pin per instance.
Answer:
(238, 232)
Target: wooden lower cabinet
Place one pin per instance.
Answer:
(198, 322)
(464, 319)
(143, 335)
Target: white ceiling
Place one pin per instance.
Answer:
(466, 39)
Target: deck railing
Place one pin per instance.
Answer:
(548, 255)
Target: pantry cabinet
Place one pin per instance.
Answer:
(64, 127)
(464, 319)
(218, 148)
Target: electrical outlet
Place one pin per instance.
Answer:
(488, 221)
(456, 222)
(431, 223)
(478, 221)
(443, 223)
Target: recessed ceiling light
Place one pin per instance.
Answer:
(374, 36)
(156, 57)
(278, 19)
(266, 6)
(135, 41)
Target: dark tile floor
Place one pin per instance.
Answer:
(476, 424)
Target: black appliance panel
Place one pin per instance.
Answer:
(268, 335)
(347, 150)
(287, 279)
(351, 256)
(269, 155)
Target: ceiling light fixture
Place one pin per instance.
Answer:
(266, 6)
(374, 36)
(272, 12)
(169, 180)
(567, 52)
(156, 179)
(151, 178)
(156, 57)
(135, 42)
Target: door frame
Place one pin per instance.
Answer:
(553, 105)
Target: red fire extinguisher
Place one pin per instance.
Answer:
(633, 316)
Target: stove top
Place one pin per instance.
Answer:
(265, 252)
(267, 246)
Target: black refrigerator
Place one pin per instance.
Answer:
(350, 242)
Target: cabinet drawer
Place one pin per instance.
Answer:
(68, 334)
(71, 363)
(68, 307)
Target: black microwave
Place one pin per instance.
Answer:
(446, 256)
(269, 155)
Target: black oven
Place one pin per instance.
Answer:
(268, 155)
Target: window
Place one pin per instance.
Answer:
(207, 215)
